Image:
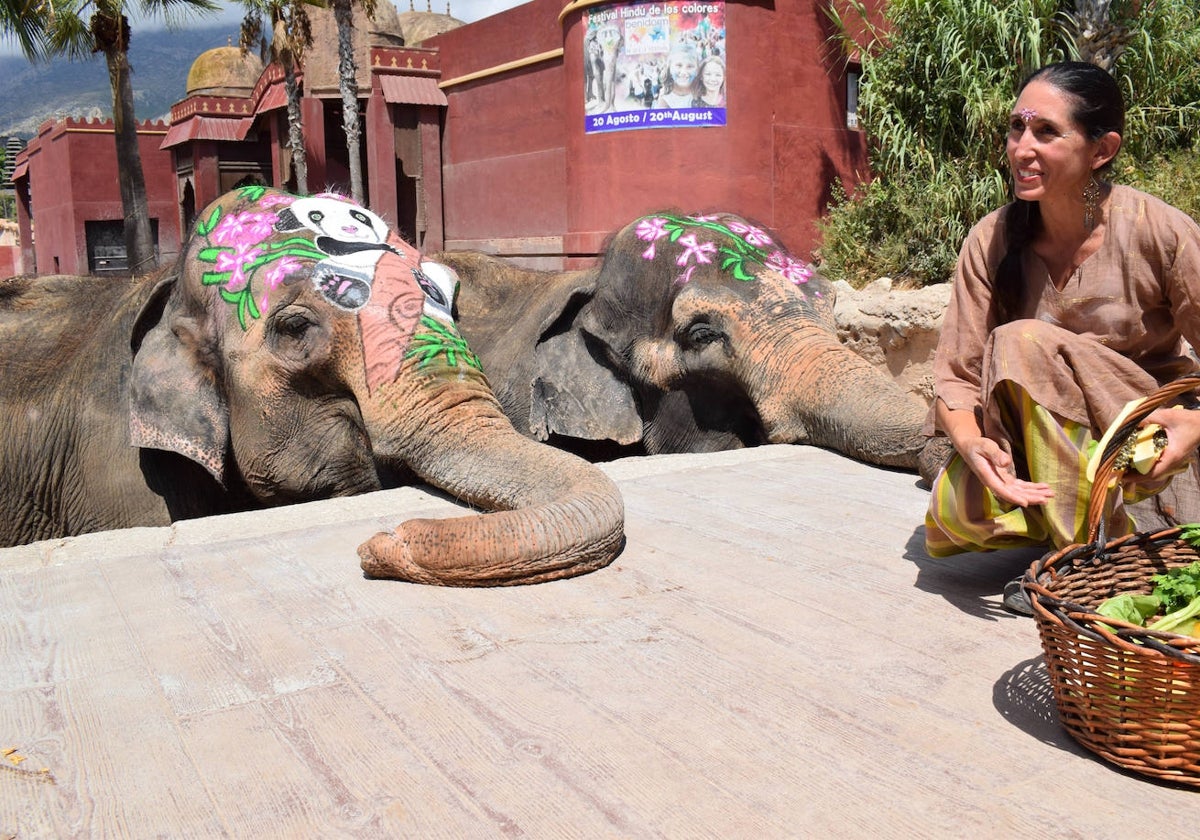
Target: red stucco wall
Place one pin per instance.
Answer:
(73, 178)
(518, 163)
(504, 138)
(10, 260)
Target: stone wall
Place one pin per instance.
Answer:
(896, 329)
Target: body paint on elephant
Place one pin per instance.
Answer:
(361, 266)
(742, 245)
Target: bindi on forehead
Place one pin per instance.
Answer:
(1026, 115)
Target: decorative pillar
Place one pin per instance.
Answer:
(206, 172)
(280, 150)
(25, 224)
(312, 116)
(381, 155)
(430, 127)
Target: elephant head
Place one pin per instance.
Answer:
(695, 333)
(302, 350)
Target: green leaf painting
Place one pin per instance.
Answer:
(442, 340)
(247, 264)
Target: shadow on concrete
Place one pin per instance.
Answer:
(973, 581)
(1024, 697)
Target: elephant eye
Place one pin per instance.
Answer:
(294, 324)
(703, 333)
(295, 334)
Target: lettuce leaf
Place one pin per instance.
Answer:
(1129, 607)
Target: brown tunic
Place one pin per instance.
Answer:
(1138, 295)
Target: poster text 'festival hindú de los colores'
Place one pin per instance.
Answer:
(654, 65)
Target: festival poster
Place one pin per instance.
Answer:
(654, 65)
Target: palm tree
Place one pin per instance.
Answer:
(291, 37)
(24, 20)
(343, 14)
(1098, 38)
(77, 29)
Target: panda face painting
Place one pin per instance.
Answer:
(352, 238)
(440, 285)
(340, 227)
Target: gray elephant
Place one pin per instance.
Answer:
(694, 334)
(300, 350)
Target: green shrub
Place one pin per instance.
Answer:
(1174, 177)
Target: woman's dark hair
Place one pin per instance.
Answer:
(1099, 108)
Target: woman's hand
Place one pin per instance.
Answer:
(1183, 437)
(994, 467)
(990, 463)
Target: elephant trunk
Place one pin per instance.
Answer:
(818, 391)
(556, 515)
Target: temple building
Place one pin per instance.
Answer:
(532, 134)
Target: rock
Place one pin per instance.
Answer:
(895, 329)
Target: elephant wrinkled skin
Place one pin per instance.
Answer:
(300, 350)
(694, 334)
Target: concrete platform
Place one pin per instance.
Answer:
(772, 656)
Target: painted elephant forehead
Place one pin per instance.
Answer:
(391, 317)
(265, 238)
(409, 318)
(733, 244)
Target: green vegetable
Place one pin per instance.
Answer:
(1134, 609)
(1181, 621)
(1176, 593)
(1190, 534)
(1179, 587)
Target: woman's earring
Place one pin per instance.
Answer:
(1091, 203)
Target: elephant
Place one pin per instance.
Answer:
(694, 333)
(298, 350)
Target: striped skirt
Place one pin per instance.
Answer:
(965, 516)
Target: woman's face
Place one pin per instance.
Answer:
(714, 77)
(1048, 151)
(683, 70)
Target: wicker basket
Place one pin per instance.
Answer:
(1127, 693)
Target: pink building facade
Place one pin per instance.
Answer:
(496, 136)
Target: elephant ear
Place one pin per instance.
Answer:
(574, 392)
(175, 403)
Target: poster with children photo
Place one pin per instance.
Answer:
(654, 65)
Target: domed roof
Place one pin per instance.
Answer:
(224, 71)
(384, 29)
(417, 26)
(389, 28)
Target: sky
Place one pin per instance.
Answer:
(467, 11)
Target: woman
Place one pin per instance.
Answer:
(1067, 303)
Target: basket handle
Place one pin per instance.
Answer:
(1107, 470)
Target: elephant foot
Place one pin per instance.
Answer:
(932, 458)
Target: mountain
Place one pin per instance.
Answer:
(160, 59)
